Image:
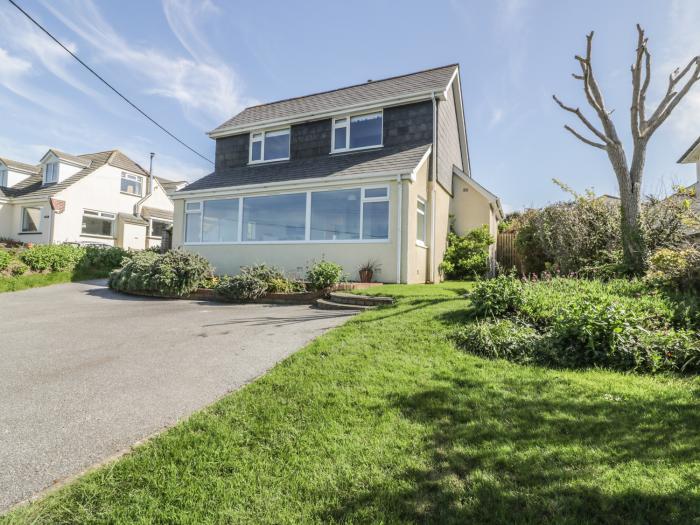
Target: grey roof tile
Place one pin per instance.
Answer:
(435, 79)
(20, 165)
(396, 159)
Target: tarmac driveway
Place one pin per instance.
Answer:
(85, 373)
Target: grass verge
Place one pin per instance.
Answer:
(36, 280)
(382, 420)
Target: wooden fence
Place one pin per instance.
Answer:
(506, 254)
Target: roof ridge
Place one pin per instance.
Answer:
(456, 64)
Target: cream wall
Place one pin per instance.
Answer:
(415, 256)
(6, 210)
(12, 219)
(295, 257)
(471, 210)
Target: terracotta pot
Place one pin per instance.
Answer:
(30, 245)
(366, 276)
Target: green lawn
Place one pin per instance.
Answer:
(383, 421)
(35, 280)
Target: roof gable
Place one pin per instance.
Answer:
(373, 92)
(692, 154)
(19, 166)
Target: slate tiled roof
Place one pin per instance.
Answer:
(33, 186)
(689, 150)
(435, 79)
(75, 159)
(398, 159)
(21, 166)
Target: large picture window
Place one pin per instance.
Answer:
(158, 228)
(269, 145)
(220, 221)
(335, 215)
(354, 214)
(357, 132)
(274, 218)
(98, 223)
(31, 219)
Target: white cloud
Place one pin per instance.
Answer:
(206, 90)
(12, 67)
(497, 115)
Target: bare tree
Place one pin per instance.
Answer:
(629, 176)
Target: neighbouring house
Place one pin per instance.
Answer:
(692, 156)
(376, 171)
(104, 198)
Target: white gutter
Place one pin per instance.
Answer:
(399, 217)
(433, 193)
(311, 115)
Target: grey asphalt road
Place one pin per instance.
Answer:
(85, 373)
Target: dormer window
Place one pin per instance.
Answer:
(269, 145)
(3, 178)
(357, 132)
(132, 184)
(51, 173)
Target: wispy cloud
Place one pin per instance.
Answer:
(207, 90)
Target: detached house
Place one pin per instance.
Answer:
(104, 198)
(376, 171)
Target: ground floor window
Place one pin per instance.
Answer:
(158, 227)
(31, 219)
(98, 223)
(317, 216)
(420, 222)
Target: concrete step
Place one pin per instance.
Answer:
(325, 304)
(360, 300)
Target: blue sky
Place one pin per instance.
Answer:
(194, 64)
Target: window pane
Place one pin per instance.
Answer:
(375, 220)
(193, 227)
(420, 222)
(31, 217)
(274, 218)
(256, 151)
(97, 226)
(131, 185)
(366, 130)
(158, 228)
(335, 215)
(341, 135)
(220, 221)
(277, 145)
(194, 206)
(371, 193)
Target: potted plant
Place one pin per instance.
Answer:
(367, 270)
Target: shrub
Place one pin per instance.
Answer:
(17, 268)
(242, 287)
(54, 257)
(501, 338)
(103, 259)
(678, 269)
(467, 257)
(497, 297)
(174, 273)
(5, 259)
(324, 274)
(274, 278)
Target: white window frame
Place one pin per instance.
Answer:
(54, 168)
(262, 139)
(346, 125)
(198, 208)
(424, 213)
(150, 226)
(134, 178)
(104, 215)
(38, 226)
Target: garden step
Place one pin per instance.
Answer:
(325, 304)
(361, 300)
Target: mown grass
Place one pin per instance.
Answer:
(383, 421)
(36, 280)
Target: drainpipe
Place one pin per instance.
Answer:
(432, 193)
(149, 189)
(399, 218)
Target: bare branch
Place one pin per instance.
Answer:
(671, 100)
(584, 139)
(645, 86)
(637, 84)
(582, 118)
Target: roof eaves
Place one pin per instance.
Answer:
(689, 152)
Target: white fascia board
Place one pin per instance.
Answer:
(478, 187)
(317, 115)
(424, 158)
(454, 75)
(301, 184)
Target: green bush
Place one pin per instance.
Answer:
(467, 257)
(17, 268)
(275, 280)
(675, 268)
(324, 274)
(52, 257)
(103, 259)
(497, 297)
(620, 324)
(242, 287)
(5, 259)
(174, 273)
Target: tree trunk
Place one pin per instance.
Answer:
(629, 182)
